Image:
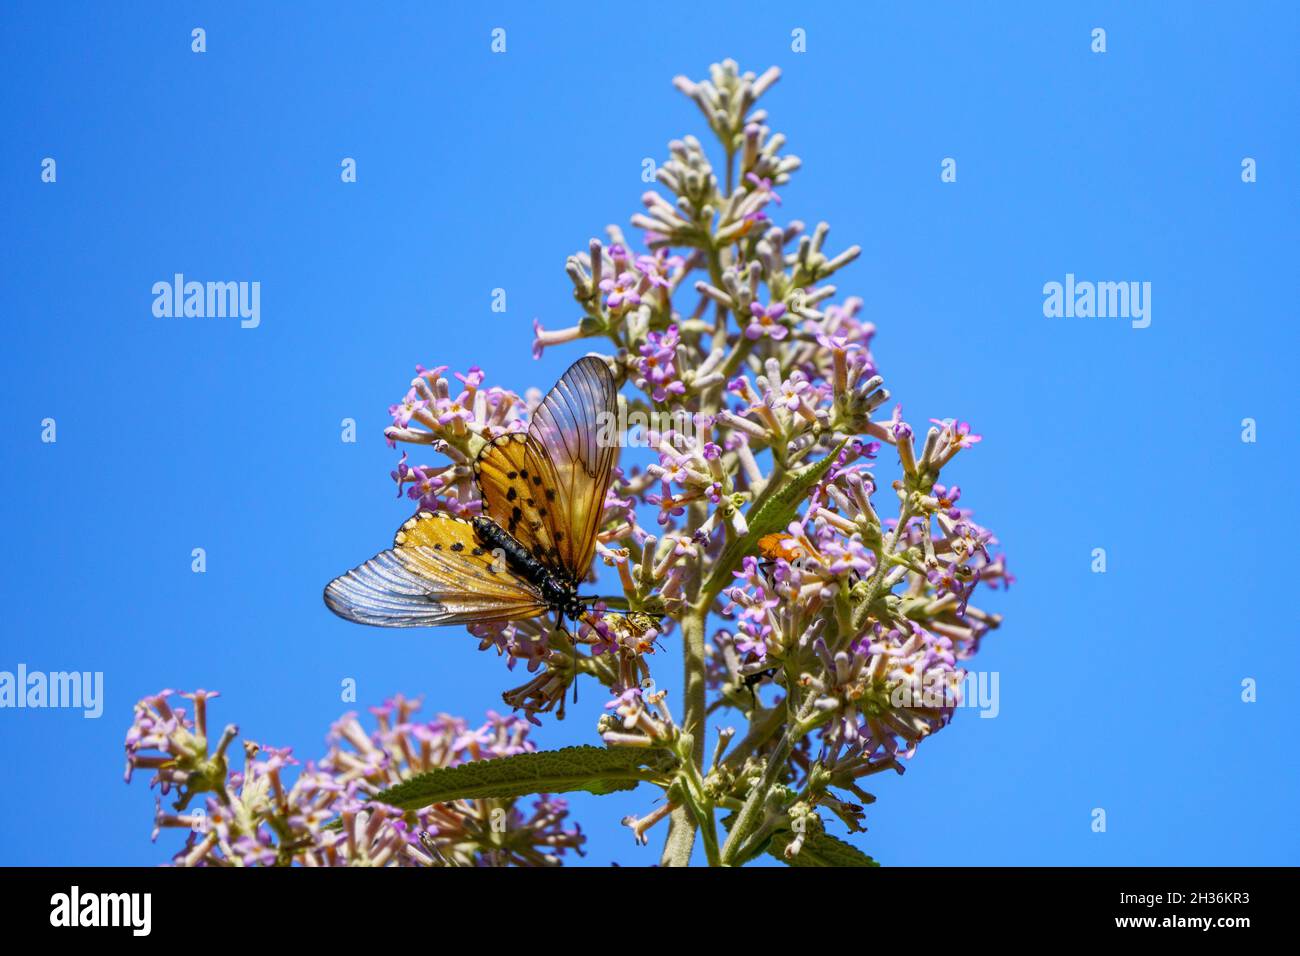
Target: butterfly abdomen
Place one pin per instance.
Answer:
(561, 595)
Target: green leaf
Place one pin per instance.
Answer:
(776, 513)
(597, 770)
(772, 515)
(819, 849)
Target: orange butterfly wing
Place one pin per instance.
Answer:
(437, 573)
(547, 488)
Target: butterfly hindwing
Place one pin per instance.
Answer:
(437, 572)
(548, 487)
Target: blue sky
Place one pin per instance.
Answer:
(476, 171)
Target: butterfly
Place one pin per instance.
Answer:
(543, 495)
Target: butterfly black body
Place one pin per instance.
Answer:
(560, 594)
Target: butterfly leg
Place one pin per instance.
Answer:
(573, 646)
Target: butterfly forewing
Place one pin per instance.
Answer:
(519, 493)
(436, 573)
(547, 488)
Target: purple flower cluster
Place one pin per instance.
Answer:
(326, 813)
(455, 426)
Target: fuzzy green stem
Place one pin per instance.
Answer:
(681, 838)
(752, 812)
(681, 829)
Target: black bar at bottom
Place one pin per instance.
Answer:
(181, 906)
